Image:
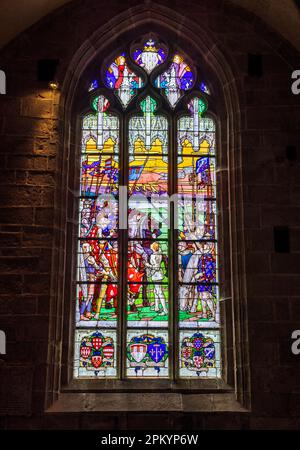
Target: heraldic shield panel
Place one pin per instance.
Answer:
(199, 354)
(147, 354)
(95, 354)
(148, 270)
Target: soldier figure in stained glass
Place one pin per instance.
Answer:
(206, 274)
(91, 269)
(200, 269)
(106, 274)
(136, 272)
(185, 251)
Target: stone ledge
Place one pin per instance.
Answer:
(188, 386)
(145, 402)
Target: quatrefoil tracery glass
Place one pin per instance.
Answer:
(177, 79)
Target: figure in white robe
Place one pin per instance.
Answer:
(156, 273)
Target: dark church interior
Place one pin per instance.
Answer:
(108, 322)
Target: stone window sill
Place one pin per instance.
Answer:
(144, 386)
(183, 399)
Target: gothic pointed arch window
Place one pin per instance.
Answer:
(147, 266)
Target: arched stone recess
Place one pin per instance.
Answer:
(227, 100)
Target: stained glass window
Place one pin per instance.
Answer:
(98, 268)
(147, 263)
(94, 85)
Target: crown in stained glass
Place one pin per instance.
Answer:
(150, 56)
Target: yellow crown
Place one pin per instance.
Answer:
(149, 46)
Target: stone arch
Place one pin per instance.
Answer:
(224, 77)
